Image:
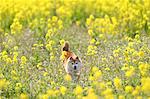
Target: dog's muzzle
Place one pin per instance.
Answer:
(75, 67)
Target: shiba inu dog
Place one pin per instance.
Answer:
(71, 62)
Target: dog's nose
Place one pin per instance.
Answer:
(75, 67)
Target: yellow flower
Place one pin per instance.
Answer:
(15, 48)
(102, 85)
(18, 86)
(138, 88)
(90, 90)
(101, 36)
(141, 53)
(16, 27)
(91, 78)
(91, 17)
(68, 77)
(143, 67)
(50, 92)
(49, 34)
(94, 69)
(92, 50)
(128, 89)
(107, 69)
(24, 96)
(49, 45)
(106, 92)
(52, 57)
(130, 72)
(91, 95)
(13, 72)
(121, 97)
(39, 65)
(90, 32)
(88, 21)
(3, 83)
(56, 92)
(130, 44)
(8, 60)
(64, 12)
(109, 83)
(97, 43)
(44, 96)
(117, 82)
(92, 41)
(104, 59)
(62, 41)
(116, 52)
(145, 85)
(135, 92)
(78, 90)
(78, 23)
(63, 90)
(97, 75)
(137, 36)
(54, 18)
(45, 74)
(15, 59)
(139, 97)
(109, 97)
(23, 60)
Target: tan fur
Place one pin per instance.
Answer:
(71, 62)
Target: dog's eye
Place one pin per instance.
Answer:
(76, 63)
(72, 63)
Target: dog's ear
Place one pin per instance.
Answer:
(77, 58)
(70, 58)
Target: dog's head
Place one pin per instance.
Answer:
(74, 63)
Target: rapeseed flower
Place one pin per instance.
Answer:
(117, 83)
(67, 77)
(49, 92)
(23, 59)
(3, 83)
(78, 90)
(24, 96)
(145, 85)
(63, 90)
(128, 89)
(130, 72)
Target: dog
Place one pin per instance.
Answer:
(72, 63)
